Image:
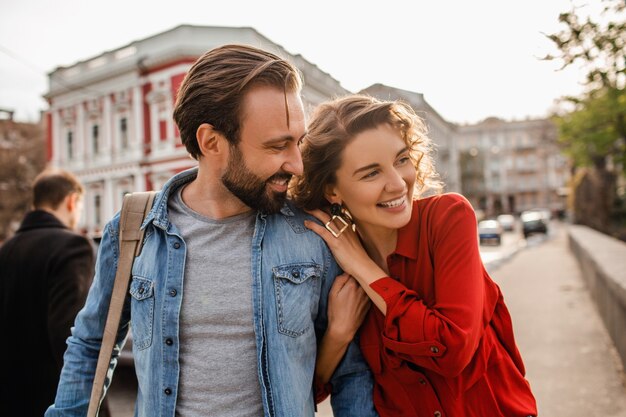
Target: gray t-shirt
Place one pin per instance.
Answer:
(218, 366)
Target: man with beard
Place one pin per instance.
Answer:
(228, 297)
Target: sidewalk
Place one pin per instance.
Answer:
(571, 364)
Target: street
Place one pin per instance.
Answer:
(570, 361)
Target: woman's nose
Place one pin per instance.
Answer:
(395, 182)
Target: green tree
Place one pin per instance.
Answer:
(596, 128)
(599, 44)
(593, 130)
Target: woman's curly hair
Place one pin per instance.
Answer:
(335, 123)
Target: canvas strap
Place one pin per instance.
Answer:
(135, 207)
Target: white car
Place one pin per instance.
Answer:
(489, 231)
(507, 221)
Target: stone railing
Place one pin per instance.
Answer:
(602, 259)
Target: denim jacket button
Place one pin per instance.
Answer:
(173, 293)
(295, 273)
(176, 245)
(169, 342)
(167, 391)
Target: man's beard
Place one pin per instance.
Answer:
(251, 189)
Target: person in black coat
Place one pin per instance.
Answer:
(46, 270)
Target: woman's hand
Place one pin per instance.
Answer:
(347, 248)
(348, 305)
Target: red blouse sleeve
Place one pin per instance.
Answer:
(443, 337)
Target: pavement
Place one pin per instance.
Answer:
(571, 363)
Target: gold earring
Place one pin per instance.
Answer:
(335, 211)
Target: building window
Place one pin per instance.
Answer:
(124, 133)
(94, 138)
(163, 117)
(162, 130)
(70, 145)
(97, 209)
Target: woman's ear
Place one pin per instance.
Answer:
(331, 194)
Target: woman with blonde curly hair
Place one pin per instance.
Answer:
(439, 338)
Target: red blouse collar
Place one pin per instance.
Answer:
(407, 245)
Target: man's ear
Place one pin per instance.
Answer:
(69, 210)
(210, 141)
(71, 202)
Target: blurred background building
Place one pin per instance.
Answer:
(512, 166)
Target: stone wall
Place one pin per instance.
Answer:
(602, 259)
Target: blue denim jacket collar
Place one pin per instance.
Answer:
(158, 214)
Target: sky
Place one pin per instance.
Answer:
(470, 59)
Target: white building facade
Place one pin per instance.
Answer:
(512, 166)
(110, 117)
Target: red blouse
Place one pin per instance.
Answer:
(446, 345)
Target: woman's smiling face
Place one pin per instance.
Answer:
(376, 179)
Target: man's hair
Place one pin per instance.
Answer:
(52, 186)
(213, 89)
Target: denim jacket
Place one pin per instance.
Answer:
(292, 272)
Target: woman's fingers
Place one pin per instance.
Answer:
(320, 230)
(339, 282)
(319, 214)
(347, 307)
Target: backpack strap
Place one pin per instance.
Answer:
(135, 207)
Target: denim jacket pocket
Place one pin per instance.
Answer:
(142, 311)
(297, 291)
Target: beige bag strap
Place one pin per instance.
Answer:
(135, 207)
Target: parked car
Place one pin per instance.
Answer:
(490, 231)
(507, 221)
(534, 221)
(545, 213)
